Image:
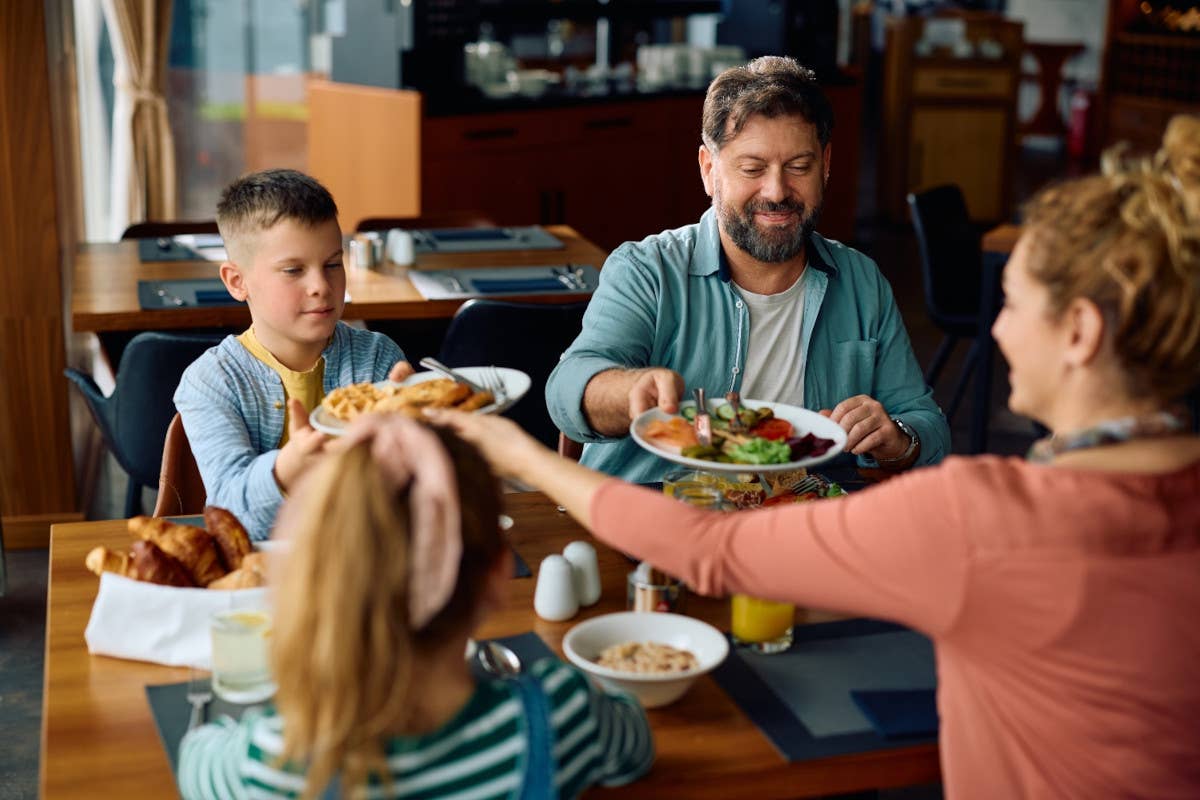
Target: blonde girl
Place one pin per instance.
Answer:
(393, 557)
(1062, 591)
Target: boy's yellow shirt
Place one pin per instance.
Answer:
(307, 387)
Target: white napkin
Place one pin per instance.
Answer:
(162, 624)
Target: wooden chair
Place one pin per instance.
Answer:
(3, 566)
(180, 489)
(451, 219)
(569, 448)
(154, 229)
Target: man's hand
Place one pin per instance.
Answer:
(304, 447)
(614, 397)
(399, 371)
(869, 428)
(657, 386)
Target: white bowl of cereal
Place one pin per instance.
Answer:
(654, 656)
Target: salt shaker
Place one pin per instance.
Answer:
(400, 247)
(585, 570)
(554, 596)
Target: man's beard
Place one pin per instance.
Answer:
(776, 243)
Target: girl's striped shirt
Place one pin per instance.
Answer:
(599, 738)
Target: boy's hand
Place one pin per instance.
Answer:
(304, 447)
(400, 371)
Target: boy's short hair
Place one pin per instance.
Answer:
(258, 201)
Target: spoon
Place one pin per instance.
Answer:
(499, 660)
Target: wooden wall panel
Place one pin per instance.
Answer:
(364, 144)
(36, 471)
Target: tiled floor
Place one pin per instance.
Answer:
(22, 611)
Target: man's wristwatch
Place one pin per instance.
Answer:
(913, 442)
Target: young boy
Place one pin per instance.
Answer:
(245, 403)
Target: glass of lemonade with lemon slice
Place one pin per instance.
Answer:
(240, 667)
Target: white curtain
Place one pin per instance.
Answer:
(93, 123)
(143, 150)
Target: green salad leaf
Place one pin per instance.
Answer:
(761, 451)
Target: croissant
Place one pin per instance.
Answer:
(231, 538)
(239, 579)
(192, 547)
(101, 560)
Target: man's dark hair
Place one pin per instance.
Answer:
(259, 200)
(773, 86)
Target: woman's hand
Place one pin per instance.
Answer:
(509, 449)
(515, 454)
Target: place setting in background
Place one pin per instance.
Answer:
(446, 284)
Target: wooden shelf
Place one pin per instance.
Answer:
(1181, 41)
(1147, 79)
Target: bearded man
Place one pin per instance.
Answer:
(750, 299)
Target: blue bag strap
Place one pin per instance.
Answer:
(538, 783)
(333, 790)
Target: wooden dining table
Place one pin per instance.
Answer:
(104, 294)
(99, 738)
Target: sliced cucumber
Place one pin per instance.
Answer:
(725, 411)
(688, 413)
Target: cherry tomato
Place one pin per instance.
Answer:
(773, 428)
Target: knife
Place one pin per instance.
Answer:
(432, 363)
(703, 423)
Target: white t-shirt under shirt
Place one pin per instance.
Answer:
(775, 356)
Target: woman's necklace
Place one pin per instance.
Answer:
(1149, 426)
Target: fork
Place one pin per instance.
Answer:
(809, 483)
(494, 383)
(199, 694)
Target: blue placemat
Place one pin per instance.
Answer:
(520, 568)
(171, 711)
(802, 699)
(497, 285)
(899, 713)
(184, 293)
(166, 249)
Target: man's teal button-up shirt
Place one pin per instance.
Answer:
(668, 301)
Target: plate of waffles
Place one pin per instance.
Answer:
(420, 391)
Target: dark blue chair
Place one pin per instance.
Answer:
(951, 271)
(525, 336)
(133, 420)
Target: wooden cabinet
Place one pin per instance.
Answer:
(950, 120)
(614, 172)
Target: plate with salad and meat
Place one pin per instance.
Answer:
(760, 437)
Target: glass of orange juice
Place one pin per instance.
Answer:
(762, 625)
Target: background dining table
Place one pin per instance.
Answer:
(99, 738)
(104, 295)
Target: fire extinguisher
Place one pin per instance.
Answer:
(1078, 138)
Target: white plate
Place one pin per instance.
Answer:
(516, 384)
(803, 420)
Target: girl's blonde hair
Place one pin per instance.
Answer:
(342, 648)
(1129, 241)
